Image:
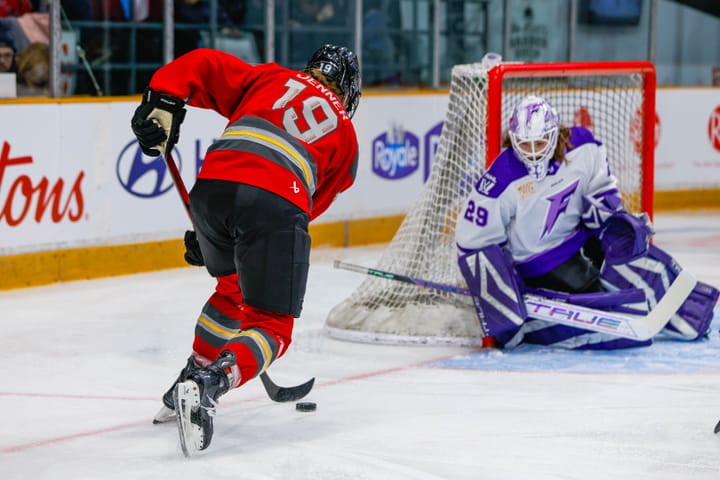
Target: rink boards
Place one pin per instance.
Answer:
(78, 199)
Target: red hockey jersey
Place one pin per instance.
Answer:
(287, 133)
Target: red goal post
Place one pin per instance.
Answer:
(615, 100)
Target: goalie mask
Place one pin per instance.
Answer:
(339, 65)
(534, 127)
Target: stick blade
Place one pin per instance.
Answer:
(286, 394)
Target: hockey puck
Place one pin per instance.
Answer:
(306, 406)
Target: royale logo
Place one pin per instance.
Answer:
(24, 198)
(395, 154)
(142, 176)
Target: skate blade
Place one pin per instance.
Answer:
(165, 415)
(186, 397)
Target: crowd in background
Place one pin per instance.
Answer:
(124, 60)
(24, 45)
(112, 47)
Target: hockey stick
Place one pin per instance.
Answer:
(274, 391)
(635, 327)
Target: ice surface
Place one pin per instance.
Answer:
(84, 365)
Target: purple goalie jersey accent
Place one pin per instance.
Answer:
(580, 136)
(505, 169)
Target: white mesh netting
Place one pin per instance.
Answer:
(386, 311)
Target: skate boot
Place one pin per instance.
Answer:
(167, 412)
(195, 400)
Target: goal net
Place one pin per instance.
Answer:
(615, 100)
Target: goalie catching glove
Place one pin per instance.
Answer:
(156, 122)
(626, 237)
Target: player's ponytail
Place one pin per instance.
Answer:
(320, 77)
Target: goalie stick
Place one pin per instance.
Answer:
(635, 327)
(274, 391)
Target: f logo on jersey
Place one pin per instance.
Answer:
(558, 204)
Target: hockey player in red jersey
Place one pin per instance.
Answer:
(289, 148)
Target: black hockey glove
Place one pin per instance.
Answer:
(193, 255)
(156, 123)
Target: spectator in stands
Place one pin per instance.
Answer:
(33, 68)
(7, 52)
(316, 22)
(15, 8)
(27, 28)
(79, 10)
(198, 12)
(42, 5)
(380, 60)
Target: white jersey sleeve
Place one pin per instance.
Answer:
(601, 181)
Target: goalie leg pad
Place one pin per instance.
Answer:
(654, 273)
(496, 291)
(692, 320)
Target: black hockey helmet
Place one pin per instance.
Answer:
(339, 65)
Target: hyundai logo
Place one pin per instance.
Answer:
(144, 176)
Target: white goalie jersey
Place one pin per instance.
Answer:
(538, 222)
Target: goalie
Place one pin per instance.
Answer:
(547, 218)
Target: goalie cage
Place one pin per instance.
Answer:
(615, 100)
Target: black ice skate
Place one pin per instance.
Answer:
(195, 400)
(167, 412)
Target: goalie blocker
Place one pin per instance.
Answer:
(497, 293)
